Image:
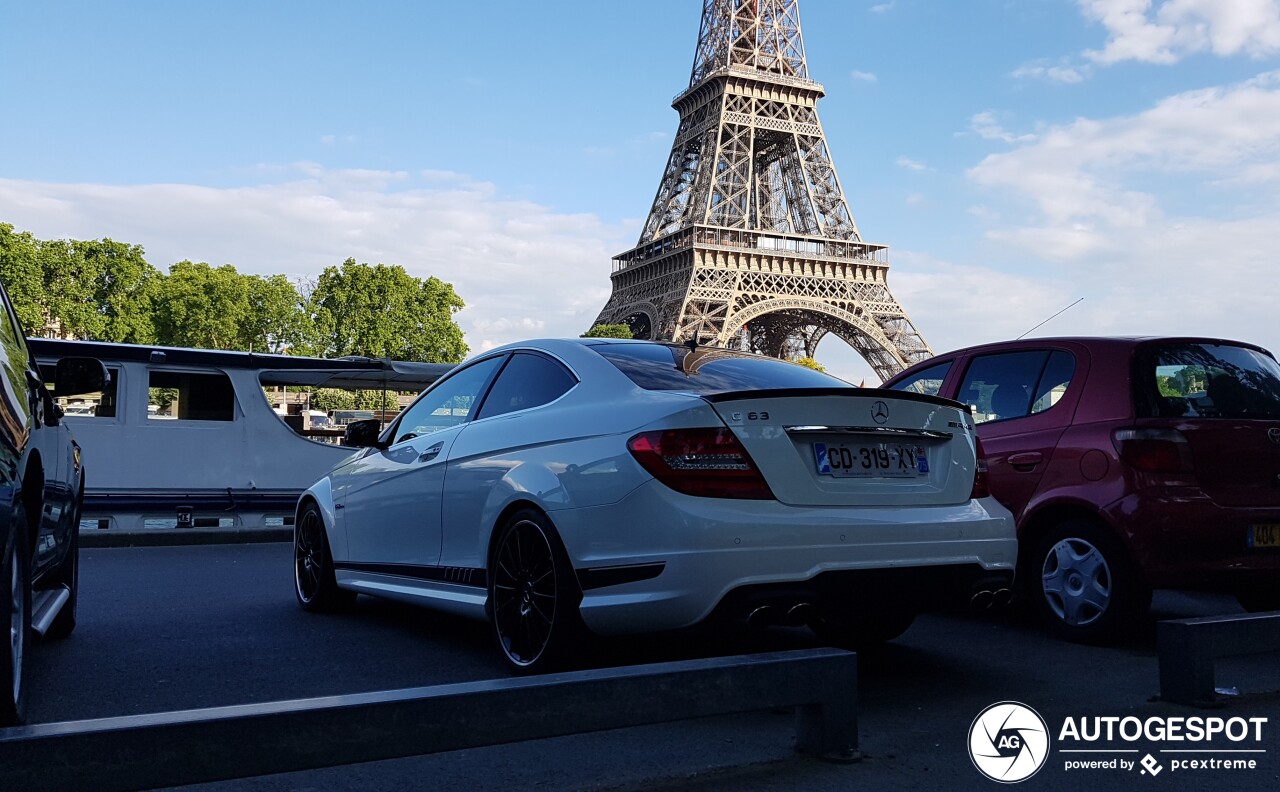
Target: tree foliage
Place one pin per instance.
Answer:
(809, 362)
(99, 290)
(102, 290)
(383, 311)
(608, 331)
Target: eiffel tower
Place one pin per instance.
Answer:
(750, 243)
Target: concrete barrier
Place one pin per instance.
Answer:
(1188, 647)
(197, 746)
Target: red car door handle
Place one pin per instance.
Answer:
(1025, 462)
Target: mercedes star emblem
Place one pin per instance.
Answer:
(880, 413)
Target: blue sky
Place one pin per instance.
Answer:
(1014, 154)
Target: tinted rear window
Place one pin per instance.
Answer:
(673, 367)
(1206, 381)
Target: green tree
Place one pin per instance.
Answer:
(276, 319)
(123, 288)
(608, 331)
(809, 362)
(383, 311)
(332, 399)
(23, 276)
(201, 306)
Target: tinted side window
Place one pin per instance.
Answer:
(674, 367)
(1000, 386)
(526, 381)
(928, 382)
(1206, 381)
(1054, 381)
(450, 401)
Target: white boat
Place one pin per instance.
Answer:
(216, 454)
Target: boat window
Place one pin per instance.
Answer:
(84, 405)
(526, 381)
(187, 396)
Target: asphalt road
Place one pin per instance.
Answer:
(170, 628)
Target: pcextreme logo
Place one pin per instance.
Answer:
(1009, 742)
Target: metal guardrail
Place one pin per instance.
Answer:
(1188, 647)
(197, 746)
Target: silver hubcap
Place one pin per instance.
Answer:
(17, 635)
(1077, 582)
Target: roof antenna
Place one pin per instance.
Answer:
(1059, 313)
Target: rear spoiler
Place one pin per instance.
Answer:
(785, 393)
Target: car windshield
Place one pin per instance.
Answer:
(675, 367)
(1206, 381)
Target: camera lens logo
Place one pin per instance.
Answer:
(1008, 742)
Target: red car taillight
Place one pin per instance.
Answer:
(1154, 450)
(711, 463)
(979, 471)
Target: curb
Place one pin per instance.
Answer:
(176, 537)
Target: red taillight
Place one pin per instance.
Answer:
(1154, 450)
(710, 463)
(979, 471)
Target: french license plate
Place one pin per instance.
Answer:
(871, 460)
(1267, 535)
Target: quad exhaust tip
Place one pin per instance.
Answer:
(988, 599)
(799, 615)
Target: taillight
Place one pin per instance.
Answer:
(1154, 450)
(979, 471)
(711, 463)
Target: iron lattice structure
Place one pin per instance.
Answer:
(750, 242)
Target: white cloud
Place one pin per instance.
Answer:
(882, 8)
(861, 76)
(1060, 74)
(1164, 219)
(1178, 28)
(522, 269)
(987, 128)
(915, 199)
(910, 164)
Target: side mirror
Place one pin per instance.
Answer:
(363, 434)
(75, 376)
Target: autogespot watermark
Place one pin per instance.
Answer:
(1010, 742)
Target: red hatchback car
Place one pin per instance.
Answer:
(1130, 464)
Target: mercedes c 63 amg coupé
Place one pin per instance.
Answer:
(561, 488)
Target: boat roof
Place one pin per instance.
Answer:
(344, 372)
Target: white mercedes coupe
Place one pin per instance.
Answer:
(560, 488)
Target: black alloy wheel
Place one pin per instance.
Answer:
(533, 597)
(314, 583)
(15, 572)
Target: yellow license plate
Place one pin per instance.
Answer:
(1265, 535)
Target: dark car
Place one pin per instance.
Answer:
(1130, 464)
(41, 489)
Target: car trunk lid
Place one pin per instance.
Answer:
(854, 446)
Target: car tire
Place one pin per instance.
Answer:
(533, 597)
(15, 577)
(314, 583)
(1084, 585)
(69, 575)
(863, 629)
